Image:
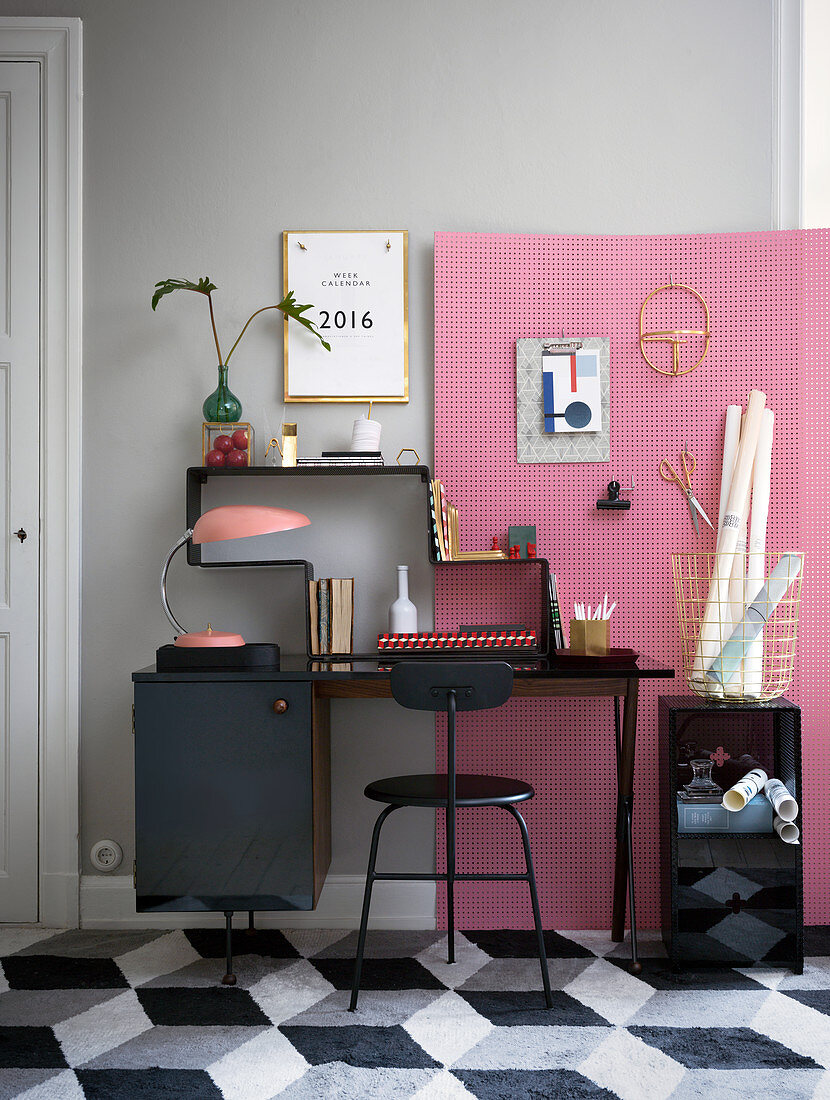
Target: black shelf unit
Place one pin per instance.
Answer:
(729, 898)
(197, 476)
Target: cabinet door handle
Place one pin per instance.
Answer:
(280, 706)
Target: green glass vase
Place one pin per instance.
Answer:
(222, 407)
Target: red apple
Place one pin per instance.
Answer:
(223, 443)
(237, 459)
(215, 458)
(240, 439)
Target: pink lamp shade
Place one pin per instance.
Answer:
(240, 521)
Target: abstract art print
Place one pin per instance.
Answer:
(570, 387)
(562, 399)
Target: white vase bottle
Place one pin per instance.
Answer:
(403, 614)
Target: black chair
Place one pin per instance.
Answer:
(449, 686)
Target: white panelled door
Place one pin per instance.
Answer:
(19, 486)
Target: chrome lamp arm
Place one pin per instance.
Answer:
(177, 626)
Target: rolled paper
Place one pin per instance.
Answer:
(788, 832)
(731, 438)
(755, 616)
(753, 677)
(712, 633)
(737, 597)
(781, 800)
(737, 579)
(731, 435)
(744, 790)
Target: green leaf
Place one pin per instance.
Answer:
(167, 286)
(294, 309)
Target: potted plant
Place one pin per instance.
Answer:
(222, 407)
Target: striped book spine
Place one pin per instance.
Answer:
(436, 546)
(555, 615)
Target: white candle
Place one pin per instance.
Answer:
(366, 434)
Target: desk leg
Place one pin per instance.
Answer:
(626, 741)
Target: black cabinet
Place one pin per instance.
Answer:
(729, 898)
(231, 785)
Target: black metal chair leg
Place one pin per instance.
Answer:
(230, 977)
(367, 900)
(534, 901)
(250, 931)
(450, 830)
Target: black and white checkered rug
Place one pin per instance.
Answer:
(140, 1015)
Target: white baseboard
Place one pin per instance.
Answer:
(108, 901)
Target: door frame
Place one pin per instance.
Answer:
(56, 44)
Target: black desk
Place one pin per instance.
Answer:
(170, 706)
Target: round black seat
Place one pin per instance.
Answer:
(431, 790)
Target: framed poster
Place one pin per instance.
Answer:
(357, 284)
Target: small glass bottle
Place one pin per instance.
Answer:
(403, 614)
(289, 445)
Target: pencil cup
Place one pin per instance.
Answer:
(589, 636)
(365, 434)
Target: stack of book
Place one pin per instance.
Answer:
(344, 458)
(331, 614)
(513, 638)
(446, 537)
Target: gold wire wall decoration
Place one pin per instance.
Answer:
(675, 336)
(693, 574)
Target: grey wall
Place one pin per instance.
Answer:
(212, 125)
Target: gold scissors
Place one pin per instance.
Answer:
(689, 466)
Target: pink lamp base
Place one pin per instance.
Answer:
(206, 639)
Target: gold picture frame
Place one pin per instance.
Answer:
(372, 365)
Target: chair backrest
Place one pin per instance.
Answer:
(424, 684)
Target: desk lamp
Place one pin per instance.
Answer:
(232, 521)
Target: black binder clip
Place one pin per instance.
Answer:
(613, 500)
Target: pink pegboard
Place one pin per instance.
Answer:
(814, 516)
(489, 291)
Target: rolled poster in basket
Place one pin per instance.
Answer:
(753, 671)
(736, 648)
(712, 630)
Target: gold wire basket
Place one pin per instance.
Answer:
(719, 611)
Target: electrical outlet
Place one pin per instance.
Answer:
(106, 855)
